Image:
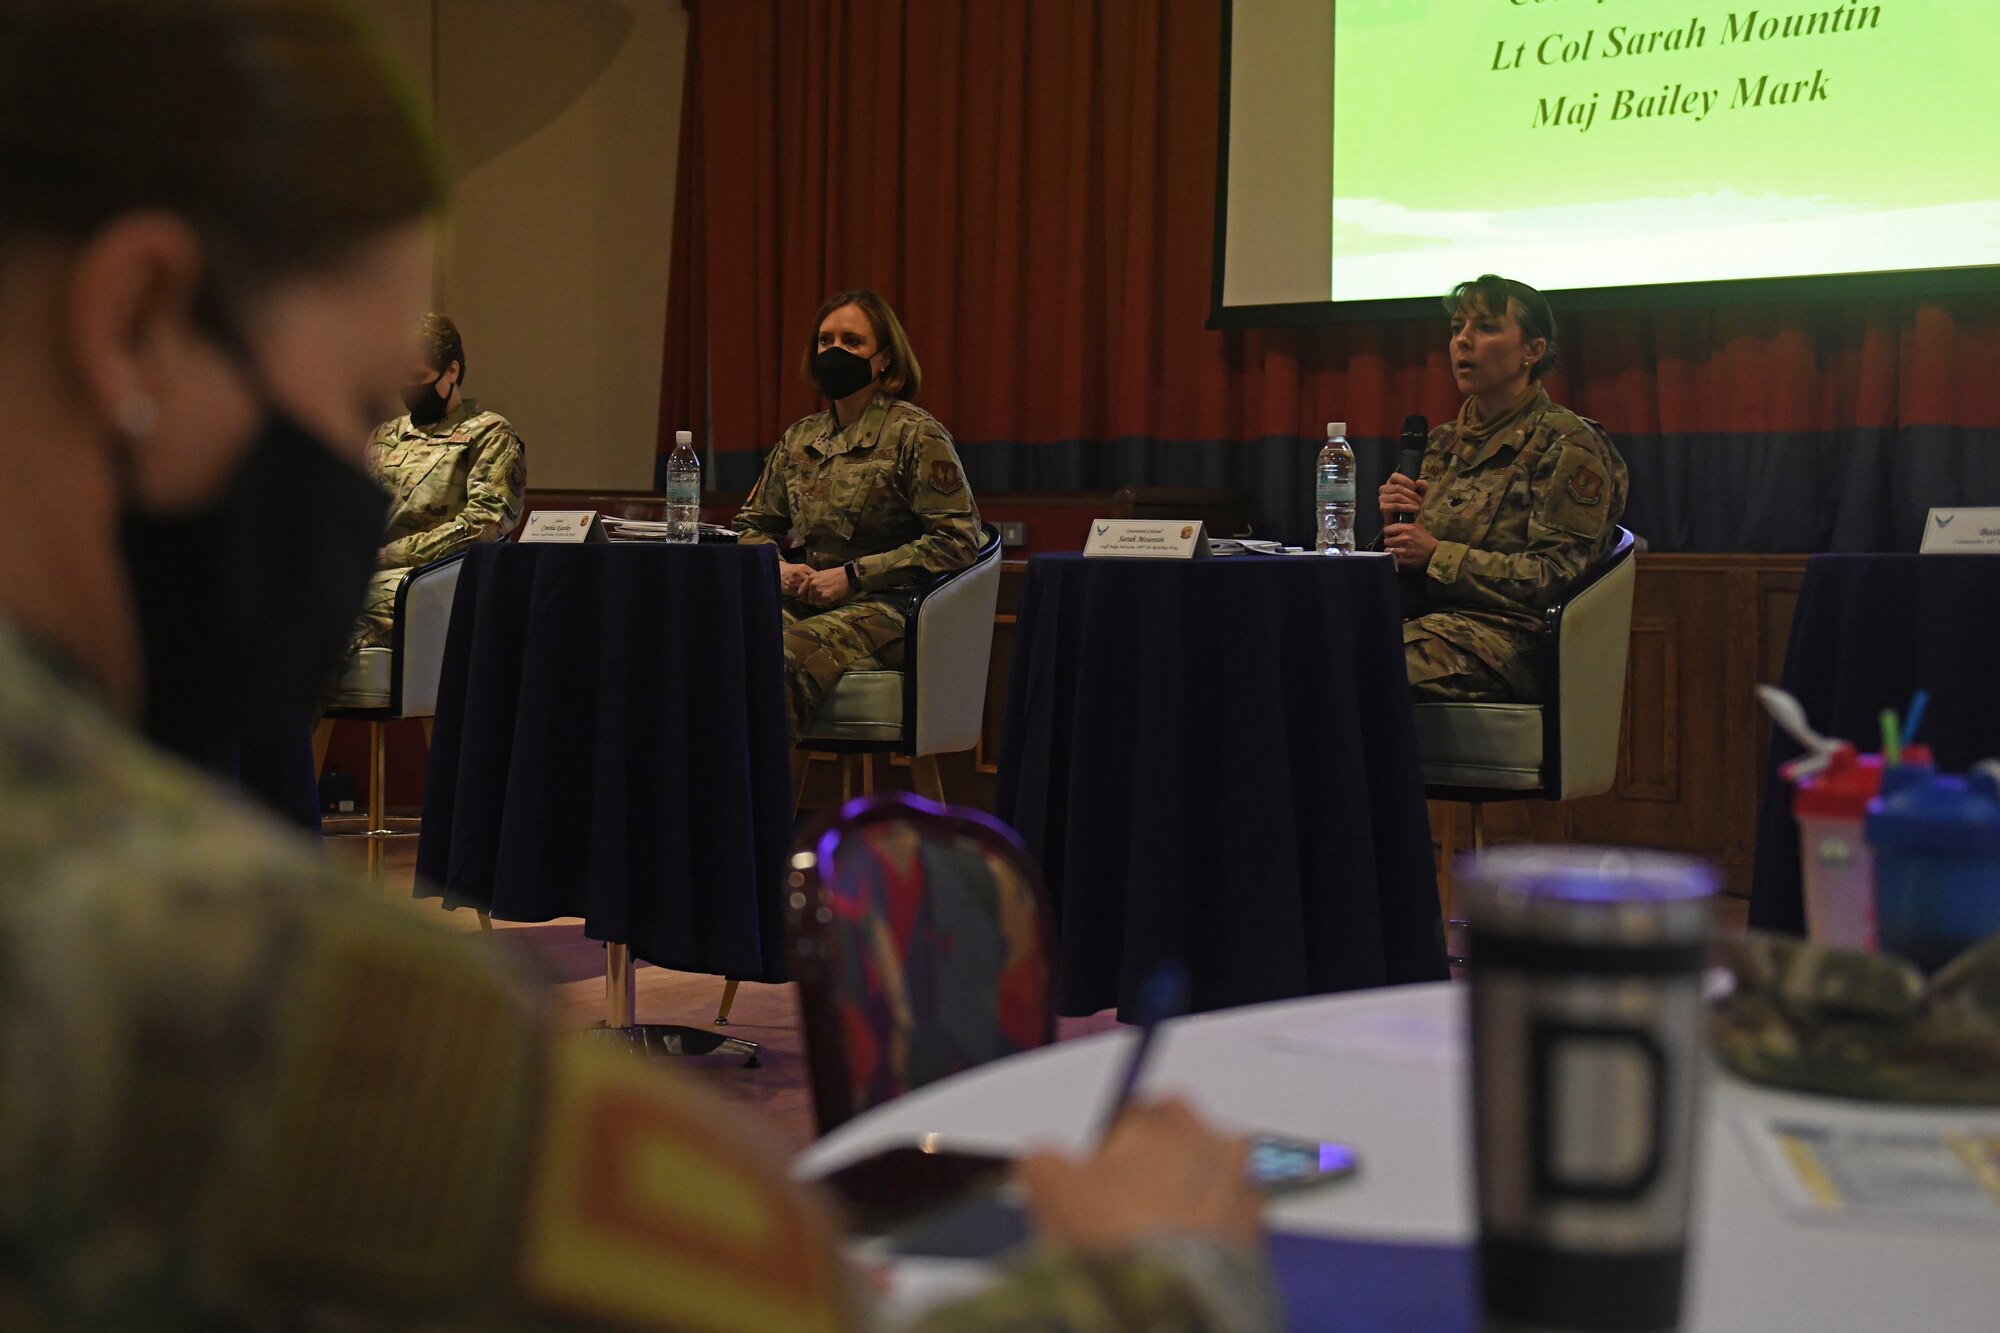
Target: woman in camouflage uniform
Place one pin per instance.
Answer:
(1518, 497)
(873, 492)
(238, 1088)
(456, 475)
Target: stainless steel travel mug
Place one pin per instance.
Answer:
(1586, 1031)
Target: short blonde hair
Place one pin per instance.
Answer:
(903, 376)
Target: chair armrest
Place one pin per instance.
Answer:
(1590, 625)
(948, 642)
(423, 617)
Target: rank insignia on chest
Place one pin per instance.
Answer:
(944, 477)
(1586, 486)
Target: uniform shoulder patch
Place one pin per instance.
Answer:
(1585, 485)
(1577, 498)
(944, 477)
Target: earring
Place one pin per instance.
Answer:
(137, 415)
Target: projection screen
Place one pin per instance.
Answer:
(1374, 152)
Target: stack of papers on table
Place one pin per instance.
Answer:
(651, 530)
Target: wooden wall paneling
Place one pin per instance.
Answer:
(1649, 747)
(1676, 614)
(1734, 837)
(1777, 599)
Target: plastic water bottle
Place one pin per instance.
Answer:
(1335, 493)
(684, 490)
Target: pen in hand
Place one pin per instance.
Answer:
(1164, 996)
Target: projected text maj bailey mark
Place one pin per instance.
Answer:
(1755, 88)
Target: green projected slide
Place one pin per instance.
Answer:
(1615, 143)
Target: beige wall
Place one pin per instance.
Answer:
(561, 120)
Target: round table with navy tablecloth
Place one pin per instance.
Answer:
(610, 744)
(1867, 632)
(1217, 760)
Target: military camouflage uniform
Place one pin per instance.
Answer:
(239, 1090)
(1846, 1024)
(455, 482)
(1520, 508)
(886, 492)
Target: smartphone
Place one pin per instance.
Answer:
(1280, 1166)
(898, 1184)
(986, 1224)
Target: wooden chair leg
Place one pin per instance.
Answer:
(867, 775)
(847, 766)
(929, 781)
(728, 999)
(1478, 827)
(620, 1004)
(322, 738)
(378, 798)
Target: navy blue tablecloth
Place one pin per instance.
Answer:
(1329, 1284)
(1870, 629)
(1217, 760)
(610, 743)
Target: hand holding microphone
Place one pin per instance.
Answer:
(1403, 494)
(1402, 498)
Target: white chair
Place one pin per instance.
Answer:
(384, 685)
(1560, 749)
(934, 705)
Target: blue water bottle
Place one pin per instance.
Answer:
(1936, 838)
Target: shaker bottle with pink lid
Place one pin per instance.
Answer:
(1831, 805)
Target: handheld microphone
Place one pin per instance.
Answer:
(1410, 452)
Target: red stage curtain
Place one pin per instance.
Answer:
(1031, 184)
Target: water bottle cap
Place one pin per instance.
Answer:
(1938, 813)
(683, 437)
(1334, 428)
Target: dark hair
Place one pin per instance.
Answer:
(441, 343)
(903, 376)
(1496, 296)
(275, 128)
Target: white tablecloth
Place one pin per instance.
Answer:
(1382, 1070)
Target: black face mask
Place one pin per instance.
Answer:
(245, 607)
(839, 372)
(424, 402)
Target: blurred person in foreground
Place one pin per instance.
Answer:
(1518, 497)
(236, 1091)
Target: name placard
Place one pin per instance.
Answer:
(563, 525)
(1147, 538)
(1947, 530)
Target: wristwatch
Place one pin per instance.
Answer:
(853, 577)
